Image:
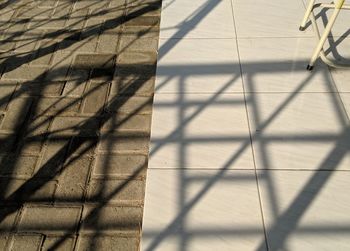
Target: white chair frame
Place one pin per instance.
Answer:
(318, 51)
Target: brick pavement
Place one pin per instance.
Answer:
(76, 92)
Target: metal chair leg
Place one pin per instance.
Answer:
(316, 53)
(307, 14)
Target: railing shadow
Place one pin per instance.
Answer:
(29, 130)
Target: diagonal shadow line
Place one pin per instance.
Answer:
(227, 85)
(79, 19)
(25, 129)
(257, 120)
(90, 216)
(251, 231)
(191, 24)
(25, 20)
(110, 24)
(195, 70)
(41, 22)
(32, 184)
(300, 204)
(13, 62)
(264, 141)
(7, 3)
(186, 208)
(182, 161)
(329, 164)
(185, 122)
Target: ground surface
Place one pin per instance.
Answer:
(249, 150)
(76, 92)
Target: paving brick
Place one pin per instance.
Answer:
(63, 9)
(34, 135)
(23, 3)
(49, 219)
(44, 54)
(7, 142)
(132, 142)
(130, 104)
(107, 43)
(57, 106)
(121, 165)
(6, 90)
(34, 12)
(45, 23)
(6, 14)
(78, 14)
(117, 3)
(4, 241)
(6, 46)
(77, 19)
(85, 44)
(111, 12)
(148, 2)
(31, 144)
(142, 9)
(128, 122)
(111, 219)
(135, 43)
(60, 243)
(138, 58)
(92, 5)
(106, 243)
(116, 191)
(27, 43)
(40, 88)
(83, 126)
(113, 26)
(95, 97)
(76, 84)
(53, 157)
(142, 31)
(9, 215)
(17, 114)
(5, 60)
(37, 127)
(72, 181)
(27, 242)
(33, 190)
(25, 72)
(15, 29)
(12, 165)
(93, 27)
(132, 86)
(59, 67)
(91, 61)
(47, 3)
(82, 146)
(143, 71)
(142, 20)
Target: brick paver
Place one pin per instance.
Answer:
(76, 91)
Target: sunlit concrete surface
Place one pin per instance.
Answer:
(249, 151)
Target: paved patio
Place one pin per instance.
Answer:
(249, 151)
(76, 91)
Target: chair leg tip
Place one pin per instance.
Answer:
(301, 28)
(309, 67)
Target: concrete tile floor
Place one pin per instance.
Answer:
(292, 194)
